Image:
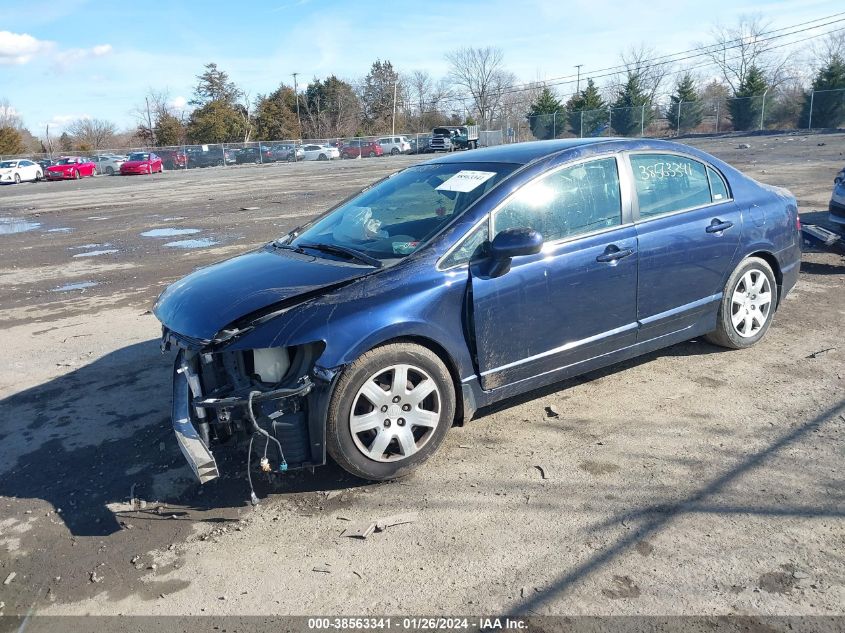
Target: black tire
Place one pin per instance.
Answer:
(394, 151)
(77, 175)
(17, 179)
(725, 334)
(322, 157)
(372, 154)
(110, 171)
(339, 441)
(39, 176)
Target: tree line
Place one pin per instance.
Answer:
(478, 88)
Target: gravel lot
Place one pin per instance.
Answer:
(690, 481)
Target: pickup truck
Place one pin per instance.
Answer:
(449, 138)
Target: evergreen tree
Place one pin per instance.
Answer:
(686, 110)
(589, 108)
(631, 111)
(377, 95)
(168, 130)
(214, 85)
(65, 142)
(11, 141)
(216, 122)
(829, 99)
(330, 109)
(275, 115)
(545, 117)
(747, 102)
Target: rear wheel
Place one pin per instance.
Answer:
(372, 154)
(76, 175)
(322, 157)
(748, 305)
(390, 411)
(110, 171)
(394, 151)
(17, 179)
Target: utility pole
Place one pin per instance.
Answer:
(393, 130)
(578, 80)
(298, 120)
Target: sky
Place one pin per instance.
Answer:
(60, 61)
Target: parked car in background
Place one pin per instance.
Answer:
(173, 158)
(837, 200)
(18, 171)
(320, 152)
(108, 164)
(71, 167)
(420, 144)
(394, 145)
(359, 147)
(262, 154)
(357, 335)
(212, 156)
(289, 152)
(142, 163)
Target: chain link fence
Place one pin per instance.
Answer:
(781, 110)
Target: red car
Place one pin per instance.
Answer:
(70, 167)
(173, 158)
(357, 147)
(141, 163)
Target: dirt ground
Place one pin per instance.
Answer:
(690, 481)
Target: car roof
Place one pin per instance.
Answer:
(524, 153)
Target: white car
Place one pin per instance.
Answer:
(108, 164)
(837, 200)
(320, 152)
(394, 145)
(16, 171)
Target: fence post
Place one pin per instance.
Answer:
(582, 124)
(810, 121)
(642, 120)
(718, 107)
(763, 109)
(260, 157)
(680, 105)
(554, 124)
(223, 147)
(610, 119)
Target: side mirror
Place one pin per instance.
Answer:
(512, 243)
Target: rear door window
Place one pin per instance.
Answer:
(718, 189)
(667, 183)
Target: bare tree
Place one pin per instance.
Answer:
(481, 74)
(637, 61)
(737, 49)
(92, 133)
(8, 116)
(829, 47)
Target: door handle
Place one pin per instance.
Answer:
(717, 226)
(614, 253)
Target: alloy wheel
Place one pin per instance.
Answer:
(751, 303)
(395, 413)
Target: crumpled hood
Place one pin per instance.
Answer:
(206, 301)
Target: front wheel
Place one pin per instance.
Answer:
(372, 154)
(748, 305)
(17, 179)
(77, 175)
(110, 171)
(394, 151)
(390, 411)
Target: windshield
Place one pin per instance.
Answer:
(139, 156)
(8, 164)
(400, 213)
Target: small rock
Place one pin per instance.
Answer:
(28, 512)
(152, 566)
(57, 578)
(134, 559)
(222, 598)
(161, 595)
(10, 578)
(142, 504)
(94, 577)
(822, 144)
(552, 411)
(743, 146)
(799, 575)
(171, 547)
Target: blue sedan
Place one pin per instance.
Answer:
(453, 284)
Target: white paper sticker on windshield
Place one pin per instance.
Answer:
(466, 180)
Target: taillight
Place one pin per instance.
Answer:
(798, 222)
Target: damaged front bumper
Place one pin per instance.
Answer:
(216, 399)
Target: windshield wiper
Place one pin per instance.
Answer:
(343, 250)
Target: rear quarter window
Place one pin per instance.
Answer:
(666, 183)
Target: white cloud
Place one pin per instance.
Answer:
(20, 48)
(179, 102)
(72, 56)
(59, 122)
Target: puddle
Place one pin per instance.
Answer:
(79, 285)
(98, 217)
(202, 242)
(84, 246)
(64, 229)
(176, 219)
(16, 225)
(168, 232)
(107, 251)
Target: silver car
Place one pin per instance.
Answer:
(837, 200)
